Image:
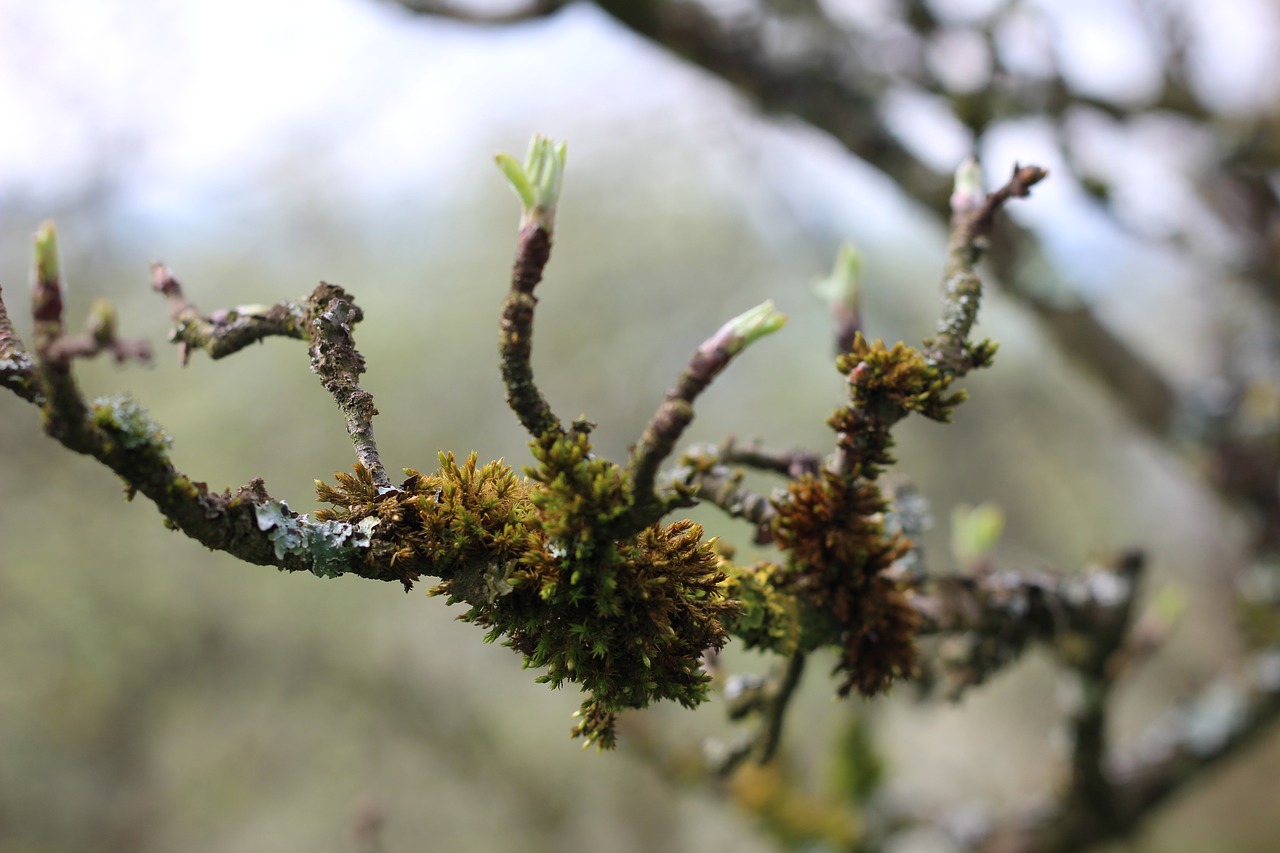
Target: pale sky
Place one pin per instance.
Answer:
(188, 104)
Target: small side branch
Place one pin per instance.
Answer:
(676, 411)
(536, 183)
(335, 359)
(995, 616)
(223, 332)
(768, 697)
(708, 473)
(515, 344)
(1089, 804)
(324, 320)
(788, 463)
(972, 218)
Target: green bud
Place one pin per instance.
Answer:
(968, 192)
(47, 253)
(841, 288)
(749, 326)
(975, 530)
(102, 322)
(537, 181)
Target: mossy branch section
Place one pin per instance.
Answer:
(568, 565)
(841, 584)
(626, 618)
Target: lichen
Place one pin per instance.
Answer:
(131, 425)
(328, 546)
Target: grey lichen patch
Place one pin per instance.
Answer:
(130, 423)
(327, 545)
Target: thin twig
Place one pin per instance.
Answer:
(335, 359)
(971, 224)
(676, 411)
(516, 339)
(769, 697)
(223, 332)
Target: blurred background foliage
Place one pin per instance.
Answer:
(154, 696)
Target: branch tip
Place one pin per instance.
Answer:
(46, 294)
(744, 330)
(537, 181)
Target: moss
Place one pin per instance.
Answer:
(839, 567)
(768, 615)
(840, 555)
(547, 564)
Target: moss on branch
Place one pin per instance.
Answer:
(571, 564)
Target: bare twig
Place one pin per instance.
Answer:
(789, 463)
(708, 473)
(324, 319)
(516, 340)
(335, 359)
(223, 332)
(676, 411)
(768, 697)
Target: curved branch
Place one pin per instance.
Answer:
(515, 344)
(452, 11)
(324, 319)
(676, 411)
(223, 332)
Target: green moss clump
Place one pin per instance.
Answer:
(768, 615)
(549, 565)
(885, 385)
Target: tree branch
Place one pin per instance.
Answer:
(997, 615)
(223, 332)
(676, 412)
(453, 11)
